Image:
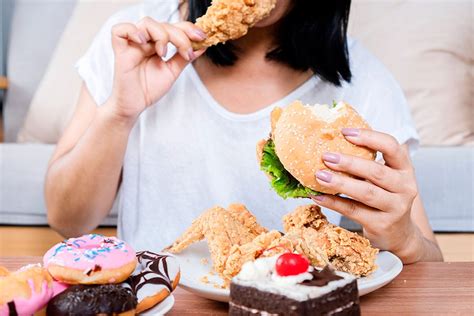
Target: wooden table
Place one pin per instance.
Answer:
(422, 288)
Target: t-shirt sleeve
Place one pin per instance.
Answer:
(96, 66)
(382, 101)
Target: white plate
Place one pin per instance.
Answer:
(162, 308)
(194, 267)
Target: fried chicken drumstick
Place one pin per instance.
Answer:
(230, 19)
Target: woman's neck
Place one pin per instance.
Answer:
(263, 81)
(256, 40)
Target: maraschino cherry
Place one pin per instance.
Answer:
(291, 264)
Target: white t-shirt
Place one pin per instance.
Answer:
(187, 153)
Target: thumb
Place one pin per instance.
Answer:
(177, 63)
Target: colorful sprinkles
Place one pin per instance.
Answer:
(78, 247)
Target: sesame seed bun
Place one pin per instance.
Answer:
(303, 133)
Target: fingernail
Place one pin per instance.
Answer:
(324, 176)
(331, 157)
(142, 38)
(164, 50)
(200, 34)
(318, 198)
(191, 54)
(350, 131)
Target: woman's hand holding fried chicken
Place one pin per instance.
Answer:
(142, 76)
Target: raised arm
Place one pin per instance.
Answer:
(84, 172)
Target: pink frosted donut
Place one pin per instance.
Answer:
(59, 287)
(90, 259)
(25, 291)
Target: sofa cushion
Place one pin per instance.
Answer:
(427, 45)
(35, 29)
(23, 169)
(445, 183)
(54, 102)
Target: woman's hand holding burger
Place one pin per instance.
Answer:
(381, 197)
(141, 74)
(318, 151)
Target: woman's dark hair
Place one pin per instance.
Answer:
(312, 35)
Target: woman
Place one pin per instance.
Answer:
(168, 135)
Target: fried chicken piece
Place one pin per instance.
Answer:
(264, 245)
(345, 250)
(234, 237)
(222, 229)
(4, 271)
(230, 19)
(307, 242)
(243, 215)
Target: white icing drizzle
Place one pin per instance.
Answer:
(154, 272)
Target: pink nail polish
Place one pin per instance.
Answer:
(318, 198)
(350, 132)
(200, 34)
(142, 38)
(324, 176)
(191, 54)
(331, 157)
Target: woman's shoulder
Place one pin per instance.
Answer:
(367, 69)
(380, 97)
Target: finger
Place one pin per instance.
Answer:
(375, 172)
(393, 153)
(123, 33)
(162, 33)
(192, 31)
(155, 32)
(181, 40)
(351, 209)
(361, 191)
(177, 63)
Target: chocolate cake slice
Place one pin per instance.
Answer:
(260, 289)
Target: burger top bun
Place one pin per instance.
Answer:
(303, 133)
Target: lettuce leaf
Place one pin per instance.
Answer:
(281, 180)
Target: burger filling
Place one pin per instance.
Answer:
(281, 180)
(328, 113)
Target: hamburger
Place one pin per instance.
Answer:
(300, 135)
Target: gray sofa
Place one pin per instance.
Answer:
(28, 52)
(445, 174)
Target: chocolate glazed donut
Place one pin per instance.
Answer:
(154, 278)
(92, 300)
